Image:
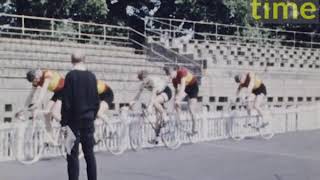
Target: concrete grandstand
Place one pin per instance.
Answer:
(289, 67)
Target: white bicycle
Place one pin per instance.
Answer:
(31, 138)
(168, 128)
(241, 125)
(141, 122)
(112, 134)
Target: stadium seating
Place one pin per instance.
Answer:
(116, 65)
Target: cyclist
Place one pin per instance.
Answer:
(186, 85)
(44, 81)
(52, 81)
(161, 93)
(257, 92)
(106, 97)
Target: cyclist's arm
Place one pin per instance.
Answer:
(43, 91)
(251, 83)
(30, 97)
(153, 96)
(181, 88)
(137, 97)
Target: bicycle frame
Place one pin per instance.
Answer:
(241, 125)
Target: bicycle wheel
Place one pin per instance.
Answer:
(236, 127)
(135, 135)
(114, 137)
(170, 136)
(184, 127)
(29, 142)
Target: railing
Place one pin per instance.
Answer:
(64, 30)
(212, 126)
(76, 31)
(210, 31)
(187, 60)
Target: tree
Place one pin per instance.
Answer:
(84, 10)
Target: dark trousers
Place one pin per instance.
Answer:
(86, 137)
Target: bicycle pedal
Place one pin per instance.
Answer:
(263, 125)
(154, 142)
(248, 125)
(46, 144)
(192, 133)
(97, 142)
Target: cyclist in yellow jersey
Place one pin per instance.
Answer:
(52, 81)
(106, 98)
(257, 91)
(42, 82)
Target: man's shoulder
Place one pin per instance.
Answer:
(70, 74)
(74, 73)
(92, 75)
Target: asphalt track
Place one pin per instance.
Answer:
(291, 156)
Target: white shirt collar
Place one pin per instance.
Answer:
(80, 67)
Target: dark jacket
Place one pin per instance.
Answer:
(80, 102)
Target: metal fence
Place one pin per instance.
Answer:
(211, 126)
(61, 29)
(209, 31)
(67, 30)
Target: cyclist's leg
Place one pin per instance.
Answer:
(47, 121)
(177, 107)
(258, 103)
(158, 104)
(106, 99)
(192, 92)
(250, 104)
(192, 108)
(54, 106)
(56, 110)
(104, 107)
(53, 110)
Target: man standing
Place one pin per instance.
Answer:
(80, 104)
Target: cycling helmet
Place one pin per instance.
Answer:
(167, 70)
(237, 78)
(32, 74)
(142, 75)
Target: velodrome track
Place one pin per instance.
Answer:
(290, 156)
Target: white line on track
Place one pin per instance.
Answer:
(289, 155)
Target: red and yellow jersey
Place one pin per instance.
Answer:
(102, 87)
(56, 80)
(257, 82)
(184, 73)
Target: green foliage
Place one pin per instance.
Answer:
(84, 10)
(220, 11)
(89, 10)
(239, 11)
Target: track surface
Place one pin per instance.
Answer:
(291, 156)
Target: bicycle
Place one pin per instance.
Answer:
(184, 124)
(241, 125)
(30, 138)
(112, 135)
(141, 122)
(135, 129)
(168, 128)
